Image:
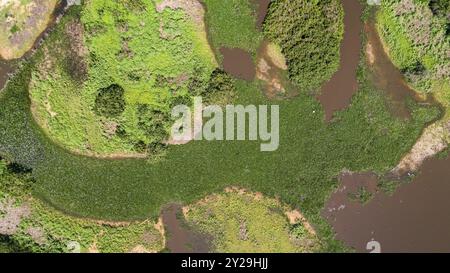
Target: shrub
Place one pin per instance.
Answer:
(110, 101)
(221, 88)
(420, 28)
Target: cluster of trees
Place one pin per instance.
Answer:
(418, 34)
(309, 33)
(155, 122)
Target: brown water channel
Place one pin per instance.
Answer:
(336, 94)
(416, 217)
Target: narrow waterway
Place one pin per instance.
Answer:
(262, 7)
(5, 69)
(337, 93)
(386, 77)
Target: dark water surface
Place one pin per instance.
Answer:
(5, 69)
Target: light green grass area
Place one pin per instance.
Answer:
(154, 56)
(302, 172)
(246, 224)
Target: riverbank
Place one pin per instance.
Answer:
(21, 24)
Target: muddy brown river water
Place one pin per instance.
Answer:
(416, 217)
(337, 93)
(239, 63)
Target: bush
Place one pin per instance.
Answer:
(221, 88)
(417, 34)
(110, 101)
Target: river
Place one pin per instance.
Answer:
(415, 217)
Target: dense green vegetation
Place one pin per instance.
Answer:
(309, 38)
(43, 229)
(234, 220)
(110, 101)
(110, 61)
(232, 24)
(302, 172)
(417, 36)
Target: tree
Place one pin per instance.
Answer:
(110, 101)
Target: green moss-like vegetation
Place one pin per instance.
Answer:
(309, 38)
(244, 224)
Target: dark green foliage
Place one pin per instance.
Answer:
(221, 88)
(110, 101)
(220, 82)
(440, 8)
(154, 124)
(309, 37)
